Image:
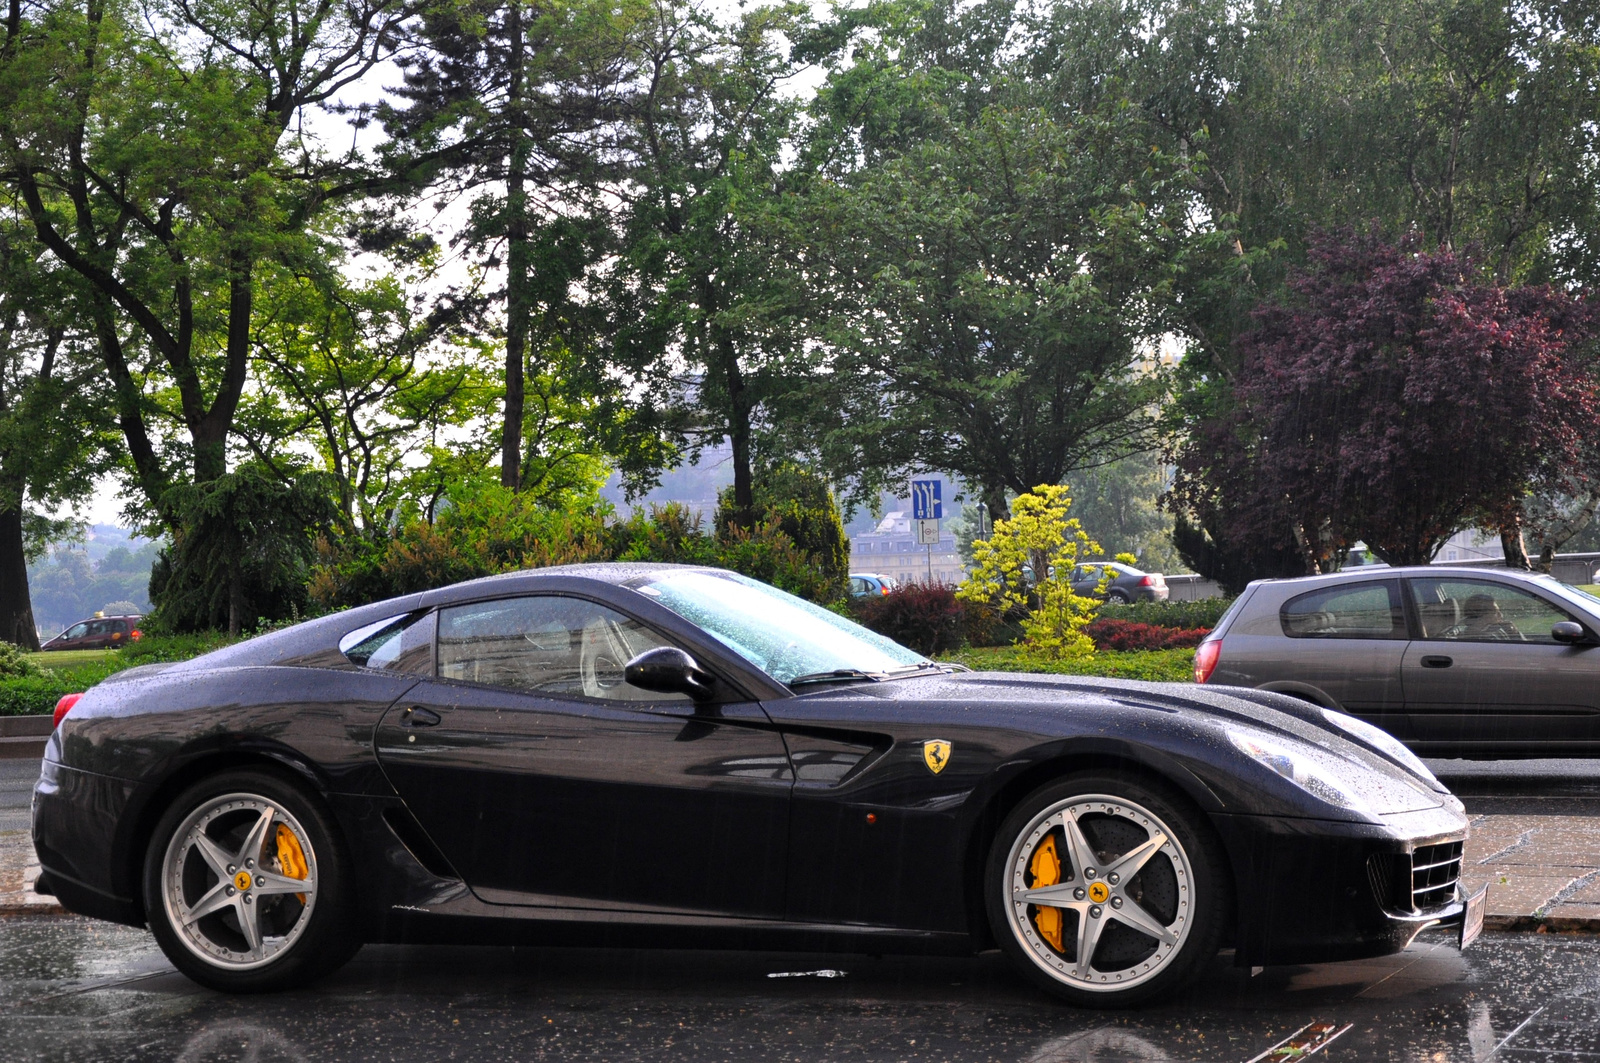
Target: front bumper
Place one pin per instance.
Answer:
(1315, 891)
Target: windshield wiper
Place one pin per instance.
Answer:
(834, 676)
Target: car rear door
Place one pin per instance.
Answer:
(1486, 676)
(547, 780)
(1343, 642)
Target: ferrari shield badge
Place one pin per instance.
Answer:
(936, 754)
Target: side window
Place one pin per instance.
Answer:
(76, 631)
(1363, 611)
(858, 585)
(100, 627)
(548, 644)
(398, 644)
(1463, 610)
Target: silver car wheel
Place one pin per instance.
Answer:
(239, 881)
(1118, 883)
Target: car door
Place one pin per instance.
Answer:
(1486, 674)
(548, 780)
(1348, 642)
(73, 638)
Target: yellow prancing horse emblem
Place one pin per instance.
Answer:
(1098, 892)
(936, 754)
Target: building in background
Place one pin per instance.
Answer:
(891, 549)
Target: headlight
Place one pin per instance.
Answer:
(1384, 742)
(1299, 768)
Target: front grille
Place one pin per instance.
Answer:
(1435, 869)
(1418, 881)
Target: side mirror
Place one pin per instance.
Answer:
(668, 670)
(1569, 633)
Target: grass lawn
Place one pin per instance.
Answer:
(1592, 588)
(1170, 666)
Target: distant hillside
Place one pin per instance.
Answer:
(78, 579)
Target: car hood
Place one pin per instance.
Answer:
(1047, 704)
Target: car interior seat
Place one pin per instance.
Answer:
(1439, 617)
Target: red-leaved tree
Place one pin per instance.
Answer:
(1397, 398)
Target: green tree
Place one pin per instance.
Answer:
(1028, 562)
(704, 296)
(516, 105)
(244, 550)
(53, 433)
(158, 155)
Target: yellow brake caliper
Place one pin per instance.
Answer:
(291, 858)
(1046, 870)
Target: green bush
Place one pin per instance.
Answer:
(1162, 666)
(798, 504)
(32, 695)
(154, 649)
(15, 663)
(1203, 612)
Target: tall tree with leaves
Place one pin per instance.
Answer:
(52, 432)
(704, 294)
(994, 285)
(516, 104)
(157, 155)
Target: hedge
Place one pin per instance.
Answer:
(1202, 612)
(1161, 666)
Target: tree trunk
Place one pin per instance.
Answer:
(518, 259)
(1511, 544)
(16, 607)
(235, 598)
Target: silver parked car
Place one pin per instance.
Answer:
(1461, 662)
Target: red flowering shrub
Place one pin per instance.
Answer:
(925, 617)
(1130, 635)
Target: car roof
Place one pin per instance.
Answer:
(1385, 572)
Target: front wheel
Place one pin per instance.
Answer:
(1107, 891)
(246, 885)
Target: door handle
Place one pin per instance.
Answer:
(416, 716)
(1433, 661)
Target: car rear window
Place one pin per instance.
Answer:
(1358, 611)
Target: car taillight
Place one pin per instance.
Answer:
(134, 634)
(1148, 581)
(884, 590)
(1205, 659)
(64, 706)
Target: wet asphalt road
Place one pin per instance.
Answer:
(73, 989)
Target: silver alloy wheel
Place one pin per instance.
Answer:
(228, 883)
(1106, 888)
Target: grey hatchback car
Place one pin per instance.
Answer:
(1452, 661)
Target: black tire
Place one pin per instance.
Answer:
(1118, 597)
(1184, 889)
(298, 937)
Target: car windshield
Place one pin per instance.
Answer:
(786, 637)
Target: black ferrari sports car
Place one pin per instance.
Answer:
(641, 754)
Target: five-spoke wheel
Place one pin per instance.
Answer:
(1106, 890)
(243, 883)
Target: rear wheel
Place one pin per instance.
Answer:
(246, 885)
(1107, 891)
(1118, 597)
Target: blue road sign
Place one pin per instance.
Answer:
(925, 501)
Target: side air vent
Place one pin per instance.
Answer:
(417, 842)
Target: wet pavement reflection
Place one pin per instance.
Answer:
(73, 989)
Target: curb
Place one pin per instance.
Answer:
(1540, 924)
(10, 909)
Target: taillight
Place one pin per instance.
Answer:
(134, 634)
(64, 706)
(1148, 581)
(1205, 659)
(884, 590)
